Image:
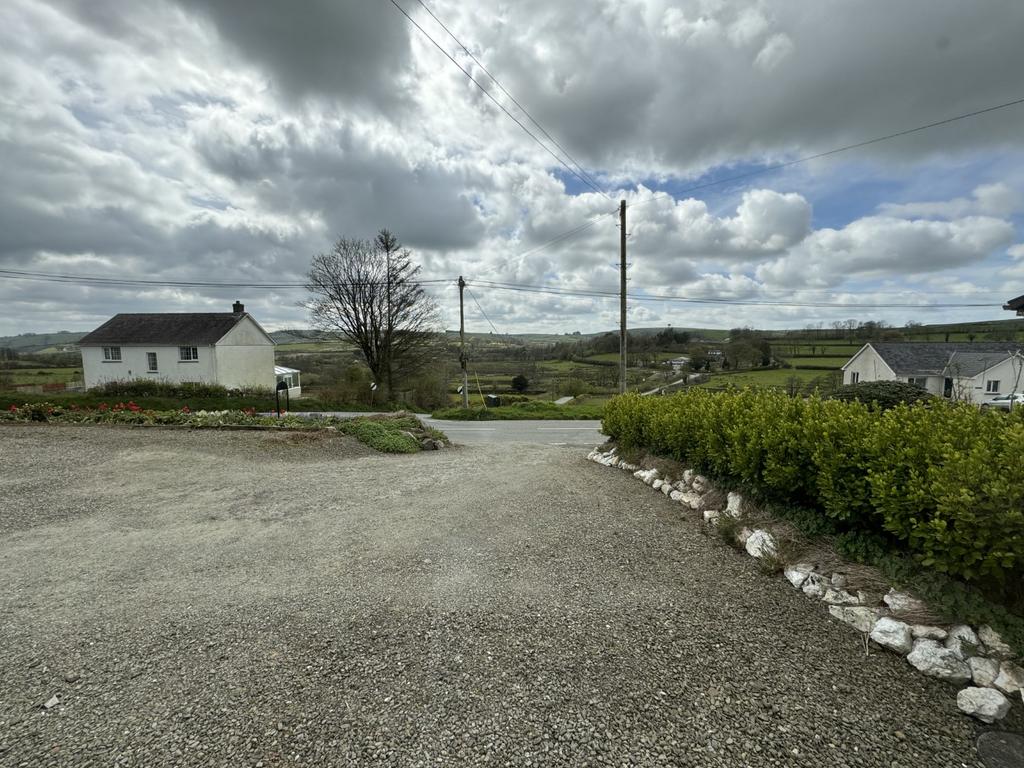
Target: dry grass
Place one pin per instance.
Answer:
(713, 499)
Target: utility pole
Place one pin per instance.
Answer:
(622, 296)
(462, 345)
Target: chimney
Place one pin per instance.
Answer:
(238, 308)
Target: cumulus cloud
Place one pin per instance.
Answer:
(219, 141)
(882, 245)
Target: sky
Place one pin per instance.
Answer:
(229, 141)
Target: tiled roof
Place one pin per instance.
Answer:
(925, 358)
(185, 328)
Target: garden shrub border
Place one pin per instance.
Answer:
(391, 433)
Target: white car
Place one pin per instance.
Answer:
(1005, 402)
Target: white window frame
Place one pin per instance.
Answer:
(920, 381)
(152, 364)
(111, 354)
(992, 386)
(188, 354)
(855, 377)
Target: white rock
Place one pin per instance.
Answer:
(711, 515)
(893, 634)
(899, 602)
(838, 580)
(983, 703)
(839, 597)
(932, 659)
(962, 641)
(760, 544)
(983, 671)
(666, 488)
(744, 535)
(656, 485)
(51, 702)
(865, 597)
(815, 585)
(797, 574)
(994, 642)
(1010, 679)
(679, 485)
(676, 495)
(735, 504)
(690, 499)
(639, 474)
(929, 632)
(687, 476)
(857, 616)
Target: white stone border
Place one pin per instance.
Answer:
(958, 653)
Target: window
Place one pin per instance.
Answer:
(992, 385)
(112, 354)
(188, 354)
(151, 359)
(854, 377)
(919, 381)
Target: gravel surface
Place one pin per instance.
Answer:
(231, 598)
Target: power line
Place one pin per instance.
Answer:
(828, 153)
(473, 297)
(500, 106)
(114, 282)
(477, 61)
(556, 291)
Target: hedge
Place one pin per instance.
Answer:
(944, 481)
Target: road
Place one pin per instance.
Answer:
(212, 598)
(539, 431)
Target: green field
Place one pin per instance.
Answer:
(44, 375)
(774, 377)
(827, 362)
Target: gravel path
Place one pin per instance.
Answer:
(231, 598)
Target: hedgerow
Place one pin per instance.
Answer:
(400, 433)
(942, 481)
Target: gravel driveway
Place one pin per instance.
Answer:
(234, 598)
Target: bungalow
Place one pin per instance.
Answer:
(226, 348)
(974, 372)
(1015, 305)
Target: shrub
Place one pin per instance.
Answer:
(942, 481)
(883, 394)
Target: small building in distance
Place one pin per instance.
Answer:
(291, 378)
(226, 348)
(973, 372)
(1015, 305)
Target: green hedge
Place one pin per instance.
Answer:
(944, 481)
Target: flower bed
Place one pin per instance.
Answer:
(399, 433)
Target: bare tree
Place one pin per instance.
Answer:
(368, 293)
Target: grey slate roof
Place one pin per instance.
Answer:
(926, 358)
(970, 364)
(1015, 305)
(197, 328)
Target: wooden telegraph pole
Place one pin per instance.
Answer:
(462, 346)
(622, 296)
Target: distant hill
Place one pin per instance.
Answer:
(36, 342)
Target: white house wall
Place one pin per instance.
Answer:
(974, 389)
(869, 364)
(134, 364)
(245, 357)
(245, 366)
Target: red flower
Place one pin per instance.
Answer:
(13, 408)
(186, 409)
(104, 406)
(249, 411)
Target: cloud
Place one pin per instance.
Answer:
(998, 199)
(882, 245)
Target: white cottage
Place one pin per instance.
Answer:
(975, 372)
(226, 348)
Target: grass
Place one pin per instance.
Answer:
(520, 411)
(820, 362)
(774, 377)
(43, 375)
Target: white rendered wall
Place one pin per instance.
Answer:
(870, 366)
(134, 364)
